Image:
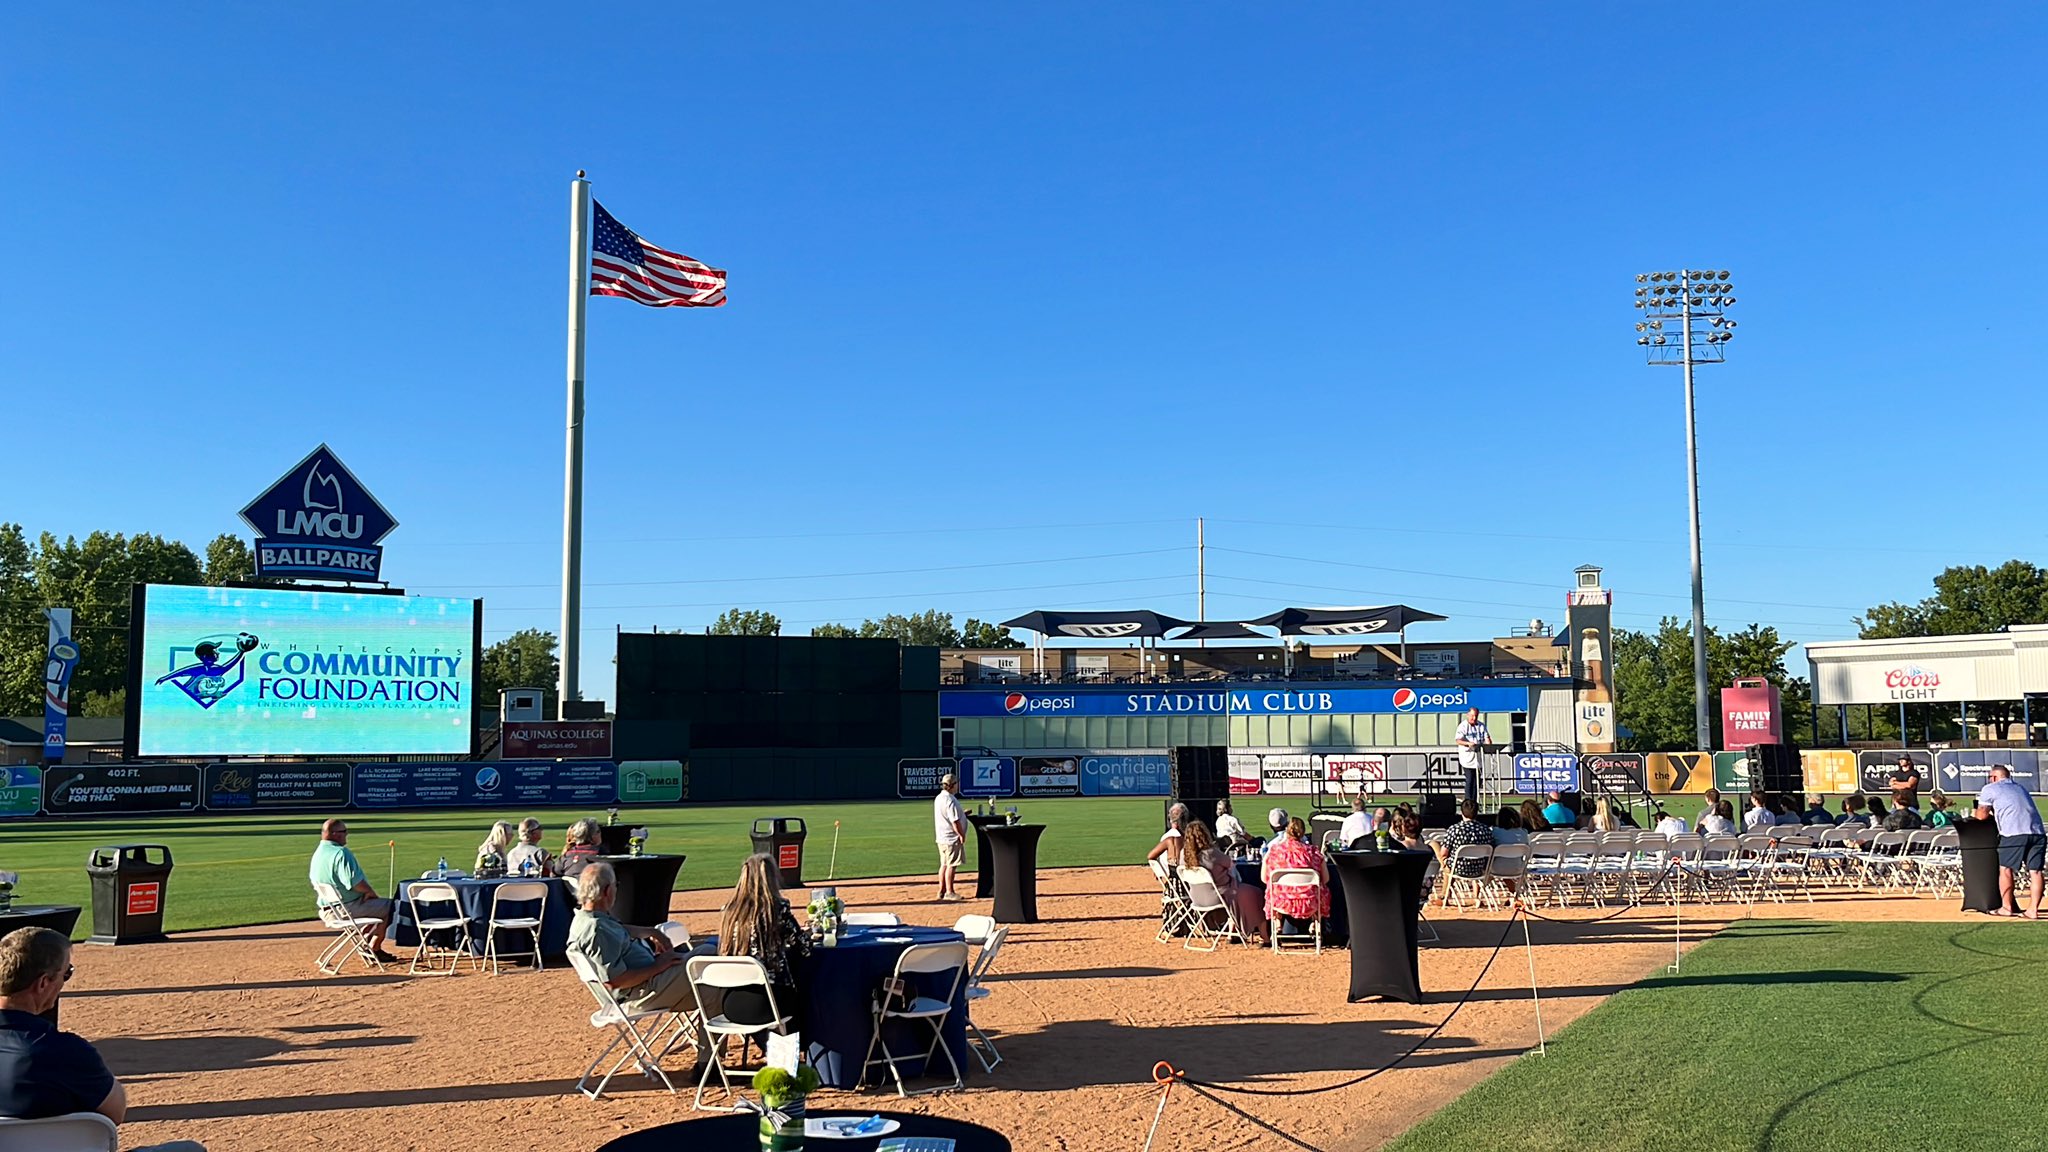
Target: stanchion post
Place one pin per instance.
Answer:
(391, 874)
(832, 869)
(1535, 994)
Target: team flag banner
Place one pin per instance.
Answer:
(622, 264)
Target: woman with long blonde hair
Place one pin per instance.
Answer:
(1198, 849)
(491, 853)
(758, 923)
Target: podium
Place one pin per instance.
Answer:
(1978, 842)
(1383, 898)
(1013, 849)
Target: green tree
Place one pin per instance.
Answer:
(93, 578)
(1653, 681)
(980, 634)
(745, 622)
(525, 659)
(834, 632)
(933, 628)
(229, 561)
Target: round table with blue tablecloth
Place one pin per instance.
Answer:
(476, 896)
(1336, 926)
(838, 987)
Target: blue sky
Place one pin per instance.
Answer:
(1018, 291)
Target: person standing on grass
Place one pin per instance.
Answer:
(335, 866)
(949, 825)
(1906, 783)
(2020, 839)
(45, 1072)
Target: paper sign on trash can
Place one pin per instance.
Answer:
(144, 898)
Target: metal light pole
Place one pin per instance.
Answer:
(1687, 296)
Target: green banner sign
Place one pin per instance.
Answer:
(651, 782)
(21, 790)
(1731, 774)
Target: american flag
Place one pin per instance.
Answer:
(622, 264)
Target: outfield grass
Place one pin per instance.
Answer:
(1790, 1035)
(232, 870)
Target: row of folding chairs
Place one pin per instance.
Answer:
(446, 938)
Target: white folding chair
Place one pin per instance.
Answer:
(978, 1042)
(627, 1029)
(516, 892)
(1506, 871)
(1303, 880)
(975, 927)
(1173, 902)
(871, 920)
(1204, 901)
(723, 974)
(71, 1132)
(1465, 874)
(436, 896)
(921, 960)
(351, 933)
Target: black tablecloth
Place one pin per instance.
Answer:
(476, 908)
(838, 987)
(1978, 841)
(1336, 926)
(984, 871)
(1384, 892)
(1013, 850)
(645, 884)
(56, 917)
(740, 1132)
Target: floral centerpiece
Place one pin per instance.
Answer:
(825, 910)
(7, 880)
(782, 1105)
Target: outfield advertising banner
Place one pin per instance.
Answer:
(1678, 772)
(1617, 771)
(1964, 772)
(464, 783)
(275, 671)
(1539, 772)
(113, 789)
(270, 786)
(1830, 770)
(21, 790)
(1877, 767)
(1363, 772)
(1278, 701)
(1289, 773)
(1142, 775)
(988, 777)
(918, 779)
(653, 782)
(1244, 773)
(1049, 776)
(1731, 773)
(574, 740)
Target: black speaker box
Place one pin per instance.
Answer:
(1775, 768)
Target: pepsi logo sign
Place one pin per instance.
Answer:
(1408, 700)
(1016, 703)
(1404, 699)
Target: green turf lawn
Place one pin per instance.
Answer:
(1790, 1035)
(232, 870)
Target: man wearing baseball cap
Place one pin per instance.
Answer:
(949, 824)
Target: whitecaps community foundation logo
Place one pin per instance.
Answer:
(201, 673)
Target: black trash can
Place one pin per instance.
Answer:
(128, 886)
(782, 842)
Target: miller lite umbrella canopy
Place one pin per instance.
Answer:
(1345, 621)
(1220, 630)
(1097, 625)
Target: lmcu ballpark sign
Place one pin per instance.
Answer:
(319, 521)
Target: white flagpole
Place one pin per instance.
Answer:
(572, 485)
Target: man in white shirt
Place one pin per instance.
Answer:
(949, 825)
(2021, 845)
(1472, 739)
(1357, 826)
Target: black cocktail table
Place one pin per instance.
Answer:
(1383, 895)
(1013, 849)
(741, 1131)
(1977, 843)
(645, 883)
(984, 872)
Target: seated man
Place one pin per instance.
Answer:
(527, 857)
(638, 963)
(1357, 826)
(1903, 818)
(336, 866)
(1665, 824)
(1558, 814)
(1817, 811)
(1169, 842)
(45, 1072)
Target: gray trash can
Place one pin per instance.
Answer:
(129, 882)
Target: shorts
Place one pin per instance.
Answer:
(952, 854)
(2022, 853)
(373, 908)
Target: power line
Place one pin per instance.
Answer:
(821, 575)
(872, 596)
(961, 529)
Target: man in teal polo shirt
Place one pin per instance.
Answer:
(335, 866)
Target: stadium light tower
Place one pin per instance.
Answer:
(1687, 298)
